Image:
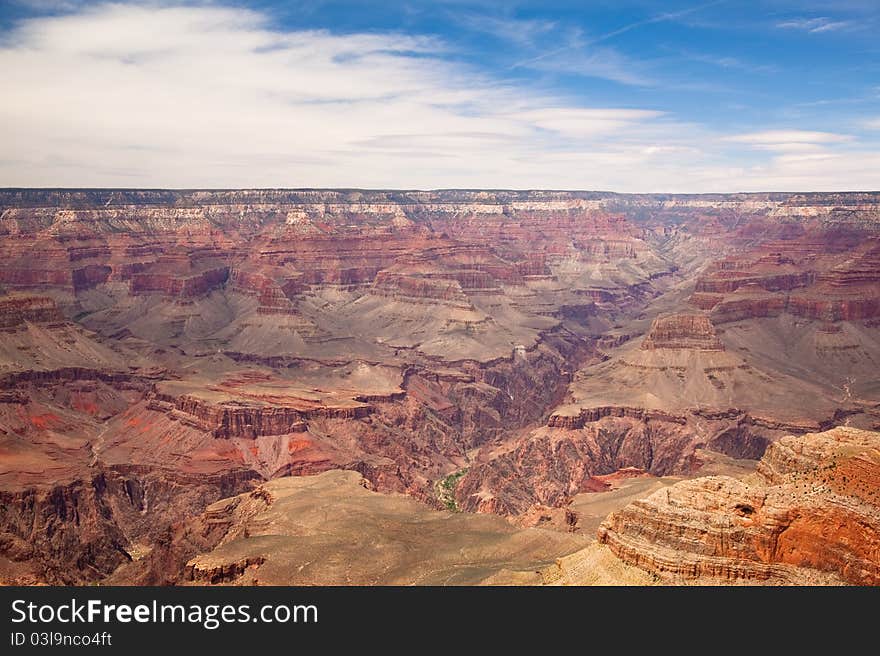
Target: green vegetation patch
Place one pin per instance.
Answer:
(445, 489)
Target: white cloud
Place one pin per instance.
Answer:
(814, 25)
(204, 96)
(788, 147)
(788, 136)
(872, 123)
(851, 172)
(50, 5)
(799, 152)
(575, 122)
(789, 141)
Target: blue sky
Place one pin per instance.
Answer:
(625, 95)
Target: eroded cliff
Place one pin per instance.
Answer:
(811, 513)
(507, 349)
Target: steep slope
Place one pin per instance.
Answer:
(811, 513)
(652, 405)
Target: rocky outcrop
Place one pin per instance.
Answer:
(840, 309)
(179, 286)
(66, 532)
(726, 281)
(811, 513)
(16, 310)
(551, 465)
(225, 573)
(420, 289)
(575, 453)
(232, 419)
(274, 287)
(749, 307)
(684, 332)
(591, 415)
(70, 374)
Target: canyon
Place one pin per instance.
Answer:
(193, 383)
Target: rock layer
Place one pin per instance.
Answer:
(693, 332)
(811, 513)
(180, 345)
(826, 277)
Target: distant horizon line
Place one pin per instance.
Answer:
(447, 189)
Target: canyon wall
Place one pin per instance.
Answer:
(491, 351)
(811, 514)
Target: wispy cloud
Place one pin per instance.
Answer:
(872, 123)
(522, 32)
(602, 63)
(659, 18)
(578, 122)
(815, 25)
(212, 96)
(574, 57)
(580, 56)
(730, 63)
(50, 5)
(794, 143)
(832, 101)
(788, 136)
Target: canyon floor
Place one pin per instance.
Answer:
(449, 387)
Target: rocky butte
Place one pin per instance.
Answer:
(179, 368)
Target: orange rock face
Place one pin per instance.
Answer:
(811, 513)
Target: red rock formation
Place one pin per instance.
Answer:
(850, 309)
(552, 464)
(822, 276)
(68, 374)
(418, 288)
(812, 513)
(485, 302)
(749, 307)
(176, 279)
(275, 287)
(239, 419)
(90, 276)
(725, 281)
(15, 310)
(684, 332)
(63, 531)
(591, 415)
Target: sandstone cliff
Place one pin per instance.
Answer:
(683, 331)
(811, 513)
